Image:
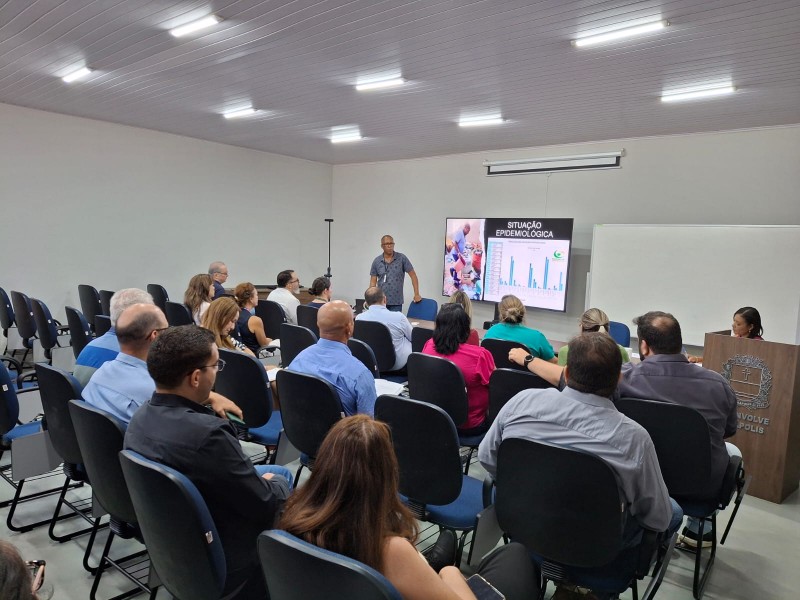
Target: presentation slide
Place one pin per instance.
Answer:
(491, 258)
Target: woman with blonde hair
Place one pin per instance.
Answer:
(350, 505)
(511, 327)
(198, 296)
(461, 297)
(251, 327)
(221, 318)
(593, 320)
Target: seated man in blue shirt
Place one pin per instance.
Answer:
(106, 347)
(120, 386)
(330, 359)
(398, 324)
(219, 275)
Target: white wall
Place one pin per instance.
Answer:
(91, 202)
(742, 177)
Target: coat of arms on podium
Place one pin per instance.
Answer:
(750, 378)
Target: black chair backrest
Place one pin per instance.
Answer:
(272, 314)
(359, 307)
(379, 338)
(426, 444)
(177, 314)
(159, 294)
(6, 312)
(419, 336)
(294, 339)
(504, 384)
(561, 503)
(90, 302)
(307, 317)
(440, 382)
(297, 570)
(310, 406)
(80, 333)
(45, 328)
(500, 349)
(100, 437)
(683, 444)
(182, 540)
(364, 353)
(23, 316)
(57, 388)
(244, 382)
(102, 324)
(105, 302)
(9, 405)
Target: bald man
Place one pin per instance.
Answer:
(122, 385)
(330, 359)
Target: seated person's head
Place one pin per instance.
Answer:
(658, 333)
(218, 271)
(350, 503)
(184, 359)
(594, 320)
(245, 295)
(374, 296)
(221, 318)
(15, 578)
(122, 299)
(138, 326)
(321, 286)
(335, 321)
(511, 310)
(747, 323)
(461, 298)
(200, 289)
(451, 329)
(593, 364)
(285, 277)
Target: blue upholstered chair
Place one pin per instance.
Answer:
(425, 309)
(620, 333)
(90, 303)
(79, 331)
(48, 330)
(181, 538)
(23, 317)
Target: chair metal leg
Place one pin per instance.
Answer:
(18, 498)
(739, 497)
(90, 545)
(76, 512)
(106, 561)
(699, 583)
(660, 568)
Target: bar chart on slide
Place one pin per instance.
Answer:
(533, 270)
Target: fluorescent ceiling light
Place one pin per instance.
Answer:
(241, 112)
(619, 34)
(203, 23)
(697, 93)
(75, 75)
(479, 121)
(380, 84)
(345, 133)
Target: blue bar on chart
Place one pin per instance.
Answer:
(546, 270)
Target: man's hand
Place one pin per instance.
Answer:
(268, 476)
(417, 298)
(517, 355)
(220, 405)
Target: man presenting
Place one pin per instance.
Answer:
(176, 429)
(330, 359)
(286, 294)
(397, 323)
(388, 273)
(219, 275)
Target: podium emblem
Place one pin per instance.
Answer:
(750, 378)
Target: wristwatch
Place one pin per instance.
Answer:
(528, 360)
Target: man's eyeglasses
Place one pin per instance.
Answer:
(294, 281)
(219, 365)
(158, 330)
(36, 568)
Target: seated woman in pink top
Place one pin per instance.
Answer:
(449, 341)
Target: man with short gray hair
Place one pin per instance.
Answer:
(219, 275)
(396, 322)
(106, 347)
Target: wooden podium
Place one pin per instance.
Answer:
(766, 379)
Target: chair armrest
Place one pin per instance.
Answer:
(488, 491)
(13, 362)
(26, 376)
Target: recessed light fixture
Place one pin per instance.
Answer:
(696, 93)
(203, 23)
(619, 34)
(379, 84)
(481, 120)
(345, 133)
(241, 112)
(75, 75)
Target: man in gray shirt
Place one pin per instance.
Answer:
(583, 417)
(388, 272)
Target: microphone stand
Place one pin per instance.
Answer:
(328, 274)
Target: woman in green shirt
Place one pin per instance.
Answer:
(510, 327)
(593, 320)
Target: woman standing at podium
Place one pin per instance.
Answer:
(746, 324)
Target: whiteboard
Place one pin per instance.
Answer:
(701, 274)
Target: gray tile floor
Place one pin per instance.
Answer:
(759, 560)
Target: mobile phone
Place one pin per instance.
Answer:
(234, 418)
(483, 590)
